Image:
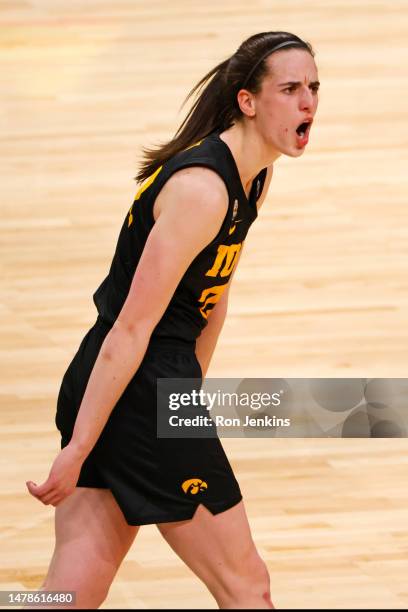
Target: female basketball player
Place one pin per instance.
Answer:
(160, 311)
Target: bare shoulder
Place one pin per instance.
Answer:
(197, 188)
(199, 177)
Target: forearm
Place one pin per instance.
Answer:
(119, 358)
(207, 341)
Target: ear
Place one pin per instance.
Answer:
(246, 102)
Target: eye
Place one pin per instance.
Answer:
(315, 88)
(290, 89)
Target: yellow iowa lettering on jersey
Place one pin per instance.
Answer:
(143, 188)
(210, 297)
(227, 254)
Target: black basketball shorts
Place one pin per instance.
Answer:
(154, 480)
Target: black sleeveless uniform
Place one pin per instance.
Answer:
(153, 479)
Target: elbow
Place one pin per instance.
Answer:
(124, 340)
(138, 329)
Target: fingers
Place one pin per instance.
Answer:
(46, 493)
(30, 484)
(32, 488)
(53, 499)
(49, 495)
(40, 490)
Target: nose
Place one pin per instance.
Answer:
(306, 99)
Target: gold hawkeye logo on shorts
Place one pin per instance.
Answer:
(194, 486)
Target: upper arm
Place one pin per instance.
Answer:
(191, 209)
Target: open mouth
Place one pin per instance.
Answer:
(303, 128)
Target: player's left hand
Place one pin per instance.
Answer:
(61, 480)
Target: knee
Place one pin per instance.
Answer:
(246, 582)
(256, 579)
(87, 596)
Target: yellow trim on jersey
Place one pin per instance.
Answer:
(147, 183)
(143, 188)
(196, 144)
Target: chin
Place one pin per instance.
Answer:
(294, 152)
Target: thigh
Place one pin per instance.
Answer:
(92, 538)
(213, 546)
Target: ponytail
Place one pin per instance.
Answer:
(203, 118)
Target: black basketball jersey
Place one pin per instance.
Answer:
(207, 276)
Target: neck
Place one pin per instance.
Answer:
(249, 151)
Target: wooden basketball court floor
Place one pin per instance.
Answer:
(321, 289)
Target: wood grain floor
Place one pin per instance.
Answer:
(321, 289)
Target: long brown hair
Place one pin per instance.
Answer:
(216, 107)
